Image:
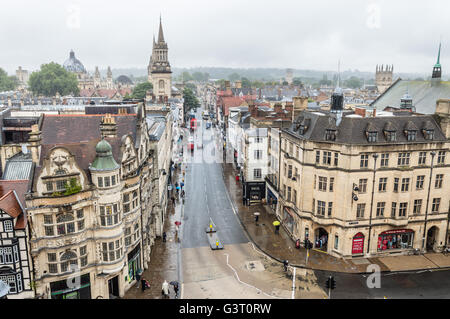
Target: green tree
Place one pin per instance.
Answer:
(190, 100)
(186, 76)
(141, 89)
(52, 79)
(234, 77)
(353, 82)
(258, 84)
(7, 83)
(297, 82)
(246, 83)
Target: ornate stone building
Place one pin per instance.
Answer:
(365, 186)
(159, 71)
(90, 204)
(85, 80)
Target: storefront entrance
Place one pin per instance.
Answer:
(431, 238)
(61, 290)
(113, 287)
(358, 244)
(396, 239)
(271, 199)
(321, 239)
(288, 219)
(134, 262)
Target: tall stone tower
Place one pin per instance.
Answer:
(383, 77)
(159, 71)
(289, 76)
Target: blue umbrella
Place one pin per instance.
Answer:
(178, 187)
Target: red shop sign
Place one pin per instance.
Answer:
(358, 244)
(397, 231)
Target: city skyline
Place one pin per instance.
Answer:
(360, 34)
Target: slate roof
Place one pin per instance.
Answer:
(424, 95)
(352, 130)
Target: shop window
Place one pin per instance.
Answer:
(396, 239)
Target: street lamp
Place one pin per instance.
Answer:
(428, 201)
(375, 156)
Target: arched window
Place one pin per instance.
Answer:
(68, 258)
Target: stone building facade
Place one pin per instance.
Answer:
(383, 77)
(358, 186)
(90, 210)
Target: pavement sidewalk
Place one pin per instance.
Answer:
(282, 247)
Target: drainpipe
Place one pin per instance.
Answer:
(428, 201)
(375, 156)
(448, 219)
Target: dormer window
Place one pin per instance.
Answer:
(391, 136)
(330, 135)
(372, 136)
(411, 135)
(301, 129)
(429, 134)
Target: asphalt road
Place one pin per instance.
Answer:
(206, 198)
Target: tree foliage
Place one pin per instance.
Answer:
(7, 83)
(190, 100)
(52, 79)
(353, 82)
(141, 89)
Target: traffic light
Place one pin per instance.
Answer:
(328, 282)
(333, 283)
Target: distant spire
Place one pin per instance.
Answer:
(154, 40)
(161, 34)
(439, 54)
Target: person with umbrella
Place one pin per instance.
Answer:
(175, 287)
(277, 226)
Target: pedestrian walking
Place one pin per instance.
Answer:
(277, 229)
(165, 289)
(143, 284)
(164, 237)
(285, 264)
(173, 200)
(182, 193)
(182, 184)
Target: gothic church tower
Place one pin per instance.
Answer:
(159, 71)
(383, 77)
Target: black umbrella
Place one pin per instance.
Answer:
(174, 283)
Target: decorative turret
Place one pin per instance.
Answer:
(104, 161)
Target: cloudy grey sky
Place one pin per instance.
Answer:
(228, 33)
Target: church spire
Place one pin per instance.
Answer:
(439, 55)
(161, 34)
(437, 70)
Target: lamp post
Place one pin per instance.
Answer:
(428, 201)
(375, 156)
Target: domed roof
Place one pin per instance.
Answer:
(123, 79)
(73, 64)
(103, 147)
(104, 161)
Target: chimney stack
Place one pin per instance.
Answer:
(252, 108)
(108, 126)
(35, 143)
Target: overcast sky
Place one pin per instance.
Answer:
(228, 33)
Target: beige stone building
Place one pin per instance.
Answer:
(90, 204)
(357, 186)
